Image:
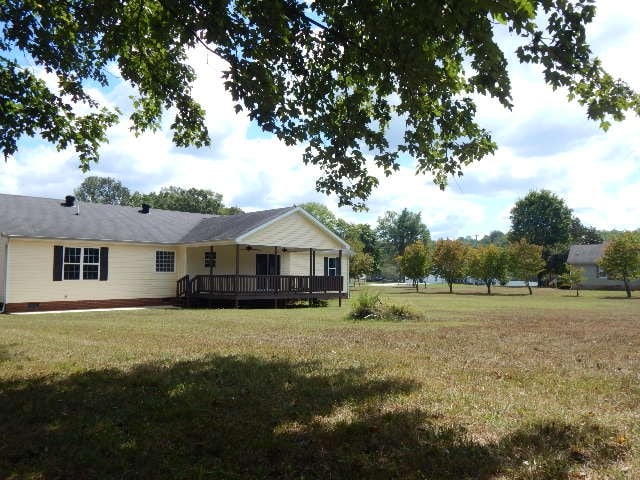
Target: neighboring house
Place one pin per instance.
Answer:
(65, 254)
(587, 258)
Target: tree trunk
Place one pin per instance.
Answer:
(529, 287)
(450, 287)
(417, 285)
(577, 292)
(488, 288)
(627, 287)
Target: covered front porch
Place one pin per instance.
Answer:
(232, 274)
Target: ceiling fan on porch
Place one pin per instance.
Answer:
(250, 248)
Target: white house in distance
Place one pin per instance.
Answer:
(587, 258)
(65, 254)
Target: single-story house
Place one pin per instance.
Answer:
(587, 258)
(67, 254)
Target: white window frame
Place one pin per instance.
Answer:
(170, 254)
(333, 269)
(600, 272)
(81, 264)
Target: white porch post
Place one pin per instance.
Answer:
(236, 280)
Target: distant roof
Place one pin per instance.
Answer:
(36, 217)
(585, 254)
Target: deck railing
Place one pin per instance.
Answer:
(259, 284)
(183, 287)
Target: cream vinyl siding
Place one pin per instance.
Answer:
(293, 231)
(131, 273)
(3, 267)
(225, 260)
(299, 265)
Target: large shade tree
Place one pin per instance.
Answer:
(332, 76)
(370, 244)
(582, 234)
(542, 218)
(198, 200)
(399, 230)
(107, 190)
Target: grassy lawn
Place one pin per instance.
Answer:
(503, 387)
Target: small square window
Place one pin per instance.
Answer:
(165, 261)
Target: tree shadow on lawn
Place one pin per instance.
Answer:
(245, 417)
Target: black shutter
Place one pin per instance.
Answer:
(338, 267)
(104, 263)
(326, 266)
(58, 252)
(278, 264)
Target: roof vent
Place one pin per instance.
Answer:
(69, 201)
(145, 208)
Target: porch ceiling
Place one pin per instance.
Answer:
(262, 248)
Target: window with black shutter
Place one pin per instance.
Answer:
(79, 263)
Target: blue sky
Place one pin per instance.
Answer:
(544, 142)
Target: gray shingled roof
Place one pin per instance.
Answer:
(585, 254)
(36, 217)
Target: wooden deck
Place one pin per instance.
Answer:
(258, 287)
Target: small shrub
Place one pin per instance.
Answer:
(367, 305)
(401, 312)
(372, 306)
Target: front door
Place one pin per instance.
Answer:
(267, 264)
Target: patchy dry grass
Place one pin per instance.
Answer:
(501, 387)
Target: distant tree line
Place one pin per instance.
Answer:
(542, 218)
(454, 261)
(536, 247)
(110, 191)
